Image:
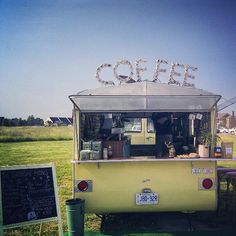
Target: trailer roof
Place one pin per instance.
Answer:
(144, 96)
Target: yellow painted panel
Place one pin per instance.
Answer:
(143, 137)
(150, 138)
(115, 185)
(136, 138)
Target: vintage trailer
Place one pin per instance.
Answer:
(116, 172)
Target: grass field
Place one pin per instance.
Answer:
(59, 153)
(28, 153)
(35, 133)
(43, 152)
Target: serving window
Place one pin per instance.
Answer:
(144, 134)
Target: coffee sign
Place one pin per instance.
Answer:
(139, 67)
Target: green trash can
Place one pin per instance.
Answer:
(75, 216)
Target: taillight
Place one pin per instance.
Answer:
(207, 183)
(82, 186)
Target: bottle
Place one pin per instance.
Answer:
(109, 151)
(105, 153)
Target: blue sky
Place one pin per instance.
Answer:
(50, 49)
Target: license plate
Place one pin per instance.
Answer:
(147, 198)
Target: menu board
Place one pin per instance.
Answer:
(27, 194)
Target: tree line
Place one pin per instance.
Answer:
(30, 121)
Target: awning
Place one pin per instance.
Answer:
(144, 97)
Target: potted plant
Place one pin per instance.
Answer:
(205, 143)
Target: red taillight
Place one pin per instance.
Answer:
(82, 186)
(207, 183)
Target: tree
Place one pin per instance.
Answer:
(30, 120)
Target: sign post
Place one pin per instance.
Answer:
(28, 195)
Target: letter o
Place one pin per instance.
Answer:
(123, 62)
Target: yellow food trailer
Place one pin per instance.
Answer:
(136, 148)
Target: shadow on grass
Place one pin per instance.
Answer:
(166, 224)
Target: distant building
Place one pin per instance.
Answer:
(58, 121)
(221, 119)
(226, 120)
(231, 121)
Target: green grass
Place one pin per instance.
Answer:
(28, 153)
(35, 133)
(43, 152)
(59, 153)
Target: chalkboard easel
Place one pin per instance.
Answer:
(28, 195)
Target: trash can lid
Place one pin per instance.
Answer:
(74, 201)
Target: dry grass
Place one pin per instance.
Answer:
(35, 133)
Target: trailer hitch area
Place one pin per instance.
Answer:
(146, 190)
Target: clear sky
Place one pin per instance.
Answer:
(50, 49)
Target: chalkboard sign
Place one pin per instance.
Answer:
(28, 194)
